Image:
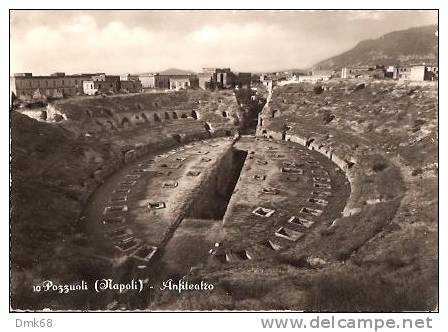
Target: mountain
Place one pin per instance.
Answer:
(175, 71)
(294, 70)
(411, 46)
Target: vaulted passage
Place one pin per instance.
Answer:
(215, 194)
(251, 106)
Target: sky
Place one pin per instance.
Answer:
(111, 41)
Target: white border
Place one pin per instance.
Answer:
(215, 322)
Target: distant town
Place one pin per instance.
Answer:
(25, 86)
(232, 149)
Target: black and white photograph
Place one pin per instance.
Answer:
(256, 160)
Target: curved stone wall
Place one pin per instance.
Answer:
(372, 196)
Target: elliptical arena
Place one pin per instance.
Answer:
(307, 197)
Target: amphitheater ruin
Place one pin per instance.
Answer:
(276, 197)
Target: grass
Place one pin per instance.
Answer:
(355, 289)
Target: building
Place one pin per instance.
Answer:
(208, 78)
(244, 80)
(264, 77)
(418, 73)
(376, 72)
(269, 77)
(224, 78)
(404, 73)
(89, 88)
(107, 84)
(217, 78)
(130, 83)
(316, 76)
(194, 82)
(322, 75)
(175, 81)
(147, 80)
(209, 70)
(106, 78)
(391, 72)
(163, 81)
(57, 85)
(129, 77)
(379, 73)
(355, 72)
(432, 73)
(268, 84)
(130, 86)
(181, 83)
(206, 81)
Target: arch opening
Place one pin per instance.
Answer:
(125, 123)
(177, 138)
(308, 142)
(112, 126)
(108, 112)
(144, 117)
(43, 115)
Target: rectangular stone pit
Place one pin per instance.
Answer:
(288, 234)
(115, 209)
(322, 185)
(311, 211)
(156, 205)
(263, 212)
(119, 233)
(292, 170)
(113, 220)
(169, 184)
(318, 201)
(301, 221)
(145, 253)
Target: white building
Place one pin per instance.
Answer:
(89, 88)
(147, 80)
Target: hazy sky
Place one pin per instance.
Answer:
(43, 42)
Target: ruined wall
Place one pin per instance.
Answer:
(214, 194)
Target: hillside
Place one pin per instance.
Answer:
(414, 45)
(175, 71)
